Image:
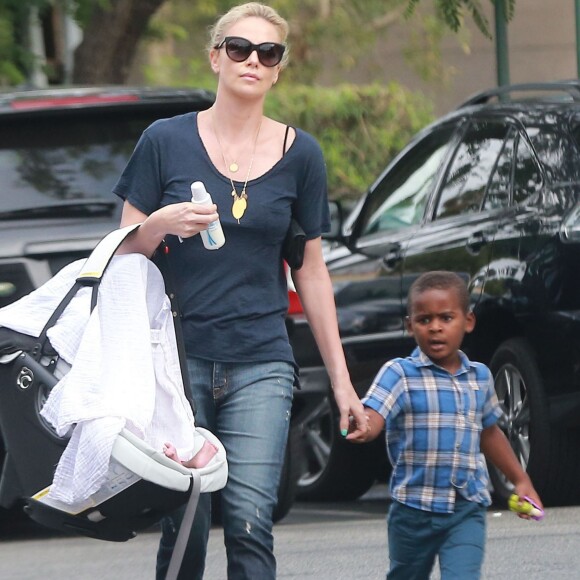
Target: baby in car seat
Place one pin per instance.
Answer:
(200, 459)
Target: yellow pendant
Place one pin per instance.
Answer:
(234, 167)
(239, 206)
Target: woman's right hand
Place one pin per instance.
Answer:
(185, 219)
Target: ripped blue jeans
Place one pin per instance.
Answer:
(247, 405)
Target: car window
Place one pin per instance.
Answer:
(400, 199)
(473, 163)
(51, 160)
(558, 153)
(499, 188)
(527, 174)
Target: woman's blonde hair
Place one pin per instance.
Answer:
(218, 30)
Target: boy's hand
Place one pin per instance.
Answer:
(371, 430)
(525, 507)
(497, 449)
(359, 434)
(525, 488)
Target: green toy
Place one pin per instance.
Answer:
(525, 505)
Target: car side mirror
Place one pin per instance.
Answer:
(337, 216)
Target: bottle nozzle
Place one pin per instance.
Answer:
(198, 192)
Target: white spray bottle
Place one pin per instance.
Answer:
(212, 238)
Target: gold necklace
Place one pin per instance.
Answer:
(240, 202)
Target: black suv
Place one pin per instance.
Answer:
(490, 191)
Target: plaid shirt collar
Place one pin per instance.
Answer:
(422, 360)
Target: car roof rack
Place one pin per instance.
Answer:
(570, 89)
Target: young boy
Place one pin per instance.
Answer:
(440, 411)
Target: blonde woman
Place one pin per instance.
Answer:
(234, 299)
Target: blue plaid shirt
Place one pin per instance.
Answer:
(433, 424)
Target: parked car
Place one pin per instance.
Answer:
(490, 191)
(61, 152)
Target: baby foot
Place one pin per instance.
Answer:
(203, 456)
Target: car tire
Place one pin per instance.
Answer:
(548, 454)
(333, 469)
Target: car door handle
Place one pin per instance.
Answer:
(475, 242)
(392, 256)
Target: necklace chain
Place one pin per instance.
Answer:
(240, 202)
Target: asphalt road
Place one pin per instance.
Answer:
(315, 541)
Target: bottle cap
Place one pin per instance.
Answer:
(198, 192)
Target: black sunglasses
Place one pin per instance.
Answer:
(239, 49)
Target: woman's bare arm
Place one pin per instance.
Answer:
(317, 296)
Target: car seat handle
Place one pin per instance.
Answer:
(95, 265)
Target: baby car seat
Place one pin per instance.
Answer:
(142, 483)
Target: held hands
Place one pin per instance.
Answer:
(186, 219)
(374, 426)
(353, 420)
(357, 424)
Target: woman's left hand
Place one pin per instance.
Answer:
(353, 420)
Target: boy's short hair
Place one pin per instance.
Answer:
(441, 280)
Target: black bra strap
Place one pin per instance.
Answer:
(285, 140)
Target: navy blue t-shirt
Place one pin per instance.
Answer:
(233, 300)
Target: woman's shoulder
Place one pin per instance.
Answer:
(295, 136)
(306, 148)
(306, 139)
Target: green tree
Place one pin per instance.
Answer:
(113, 29)
(360, 128)
(111, 32)
(15, 59)
(451, 12)
(339, 33)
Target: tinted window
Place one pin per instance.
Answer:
(401, 197)
(558, 154)
(473, 163)
(499, 188)
(49, 161)
(527, 175)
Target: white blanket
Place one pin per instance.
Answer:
(125, 369)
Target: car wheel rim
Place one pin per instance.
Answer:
(317, 441)
(515, 421)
